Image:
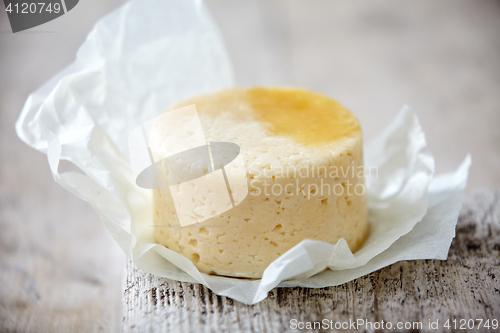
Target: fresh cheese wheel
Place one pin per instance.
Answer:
(302, 162)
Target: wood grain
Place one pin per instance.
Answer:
(60, 270)
(466, 286)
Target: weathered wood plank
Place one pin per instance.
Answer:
(466, 286)
(60, 270)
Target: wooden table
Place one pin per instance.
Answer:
(466, 286)
(60, 270)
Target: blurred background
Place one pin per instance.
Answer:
(58, 264)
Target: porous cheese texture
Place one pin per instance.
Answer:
(303, 156)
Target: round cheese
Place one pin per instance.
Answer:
(302, 162)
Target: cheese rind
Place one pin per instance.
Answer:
(303, 156)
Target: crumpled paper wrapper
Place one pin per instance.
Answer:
(149, 54)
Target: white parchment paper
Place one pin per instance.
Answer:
(149, 54)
